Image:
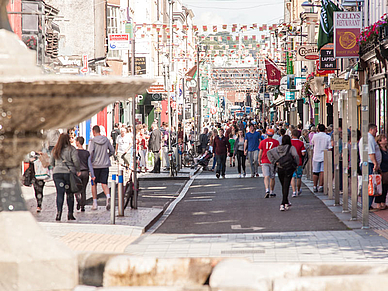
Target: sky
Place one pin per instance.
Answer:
(216, 12)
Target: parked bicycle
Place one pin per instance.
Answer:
(129, 188)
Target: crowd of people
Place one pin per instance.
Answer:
(275, 147)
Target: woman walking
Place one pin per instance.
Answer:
(285, 175)
(64, 159)
(86, 169)
(211, 148)
(383, 144)
(239, 152)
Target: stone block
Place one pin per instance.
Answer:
(330, 269)
(32, 260)
(240, 273)
(139, 271)
(333, 283)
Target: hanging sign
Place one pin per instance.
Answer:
(118, 41)
(290, 96)
(347, 27)
(327, 60)
(307, 53)
(339, 84)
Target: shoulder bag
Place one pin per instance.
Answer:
(75, 181)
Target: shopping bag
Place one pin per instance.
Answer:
(150, 160)
(41, 173)
(375, 187)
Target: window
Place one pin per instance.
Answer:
(113, 26)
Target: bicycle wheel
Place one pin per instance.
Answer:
(128, 194)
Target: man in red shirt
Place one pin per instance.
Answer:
(268, 169)
(299, 145)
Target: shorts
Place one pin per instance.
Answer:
(231, 154)
(268, 170)
(101, 175)
(298, 173)
(318, 167)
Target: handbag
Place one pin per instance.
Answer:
(28, 175)
(75, 181)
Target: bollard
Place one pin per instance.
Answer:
(336, 150)
(352, 100)
(113, 200)
(329, 174)
(345, 155)
(325, 172)
(120, 193)
(365, 166)
(311, 152)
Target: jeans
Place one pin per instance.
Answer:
(62, 184)
(285, 180)
(38, 188)
(241, 161)
(143, 158)
(156, 162)
(214, 162)
(254, 161)
(165, 159)
(81, 197)
(221, 164)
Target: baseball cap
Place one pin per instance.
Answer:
(270, 131)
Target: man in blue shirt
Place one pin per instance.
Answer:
(251, 148)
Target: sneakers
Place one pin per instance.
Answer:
(239, 175)
(38, 209)
(320, 189)
(315, 188)
(108, 203)
(286, 206)
(300, 192)
(294, 194)
(253, 175)
(95, 206)
(234, 164)
(223, 176)
(272, 195)
(218, 175)
(282, 208)
(257, 175)
(244, 174)
(266, 194)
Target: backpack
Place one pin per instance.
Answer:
(287, 162)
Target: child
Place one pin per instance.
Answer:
(231, 141)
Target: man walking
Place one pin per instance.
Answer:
(374, 154)
(154, 144)
(100, 150)
(320, 141)
(301, 150)
(251, 148)
(221, 150)
(266, 166)
(203, 140)
(164, 134)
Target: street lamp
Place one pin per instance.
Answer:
(199, 108)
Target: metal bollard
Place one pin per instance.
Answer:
(325, 172)
(329, 181)
(120, 193)
(113, 200)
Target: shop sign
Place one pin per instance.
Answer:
(140, 65)
(118, 41)
(347, 28)
(339, 84)
(290, 96)
(307, 53)
(299, 82)
(327, 60)
(290, 64)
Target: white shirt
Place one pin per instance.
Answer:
(123, 143)
(373, 148)
(320, 141)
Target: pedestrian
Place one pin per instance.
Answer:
(231, 155)
(267, 167)
(285, 158)
(165, 134)
(374, 155)
(320, 142)
(305, 138)
(143, 147)
(123, 144)
(100, 150)
(154, 145)
(221, 149)
(297, 175)
(239, 152)
(282, 132)
(52, 138)
(86, 168)
(313, 131)
(203, 141)
(383, 145)
(211, 149)
(40, 162)
(114, 134)
(64, 159)
(251, 149)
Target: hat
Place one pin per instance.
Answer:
(270, 132)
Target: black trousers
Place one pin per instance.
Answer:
(81, 197)
(62, 184)
(285, 180)
(221, 164)
(38, 188)
(241, 158)
(156, 162)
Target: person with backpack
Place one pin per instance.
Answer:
(285, 158)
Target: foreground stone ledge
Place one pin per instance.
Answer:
(139, 271)
(30, 259)
(143, 288)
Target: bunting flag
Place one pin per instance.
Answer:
(153, 25)
(254, 37)
(225, 26)
(262, 36)
(264, 26)
(164, 26)
(260, 28)
(211, 38)
(184, 27)
(148, 28)
(204, 28)
(273, 73)
(237, 38)
(228, 38)
(254, 26)
(220, 38)
(214, 28)
(195, 28)
(234, 29)
(245, 37)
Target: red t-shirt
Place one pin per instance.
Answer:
(299, 145)
(265, 146)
